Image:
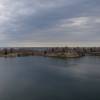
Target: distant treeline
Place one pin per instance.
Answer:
(54, 51)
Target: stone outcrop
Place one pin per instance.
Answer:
(61, 52)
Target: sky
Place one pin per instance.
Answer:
(39, 23)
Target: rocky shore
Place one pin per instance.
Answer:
(61, 52)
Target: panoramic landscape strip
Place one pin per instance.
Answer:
(61, 52)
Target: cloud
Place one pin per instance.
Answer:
(49, 22)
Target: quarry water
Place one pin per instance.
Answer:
(43, 78)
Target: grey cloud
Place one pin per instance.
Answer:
(41, 20)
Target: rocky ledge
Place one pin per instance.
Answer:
(63, 52)
(65, 55)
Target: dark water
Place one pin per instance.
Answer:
(39, 78)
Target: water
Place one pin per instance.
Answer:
(40, 78)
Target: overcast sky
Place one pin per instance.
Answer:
(49, 23)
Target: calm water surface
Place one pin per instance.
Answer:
(40, 78)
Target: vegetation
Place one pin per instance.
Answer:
(65, 52)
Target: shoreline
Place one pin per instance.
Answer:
(60, 52)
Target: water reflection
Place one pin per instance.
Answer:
(39, 78)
